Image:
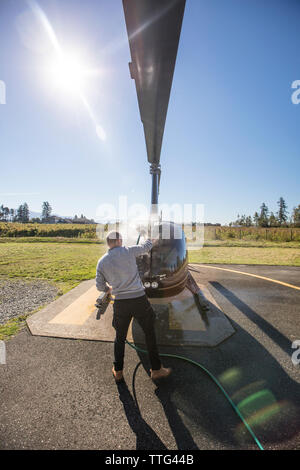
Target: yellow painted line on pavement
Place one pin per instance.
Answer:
(78, 311)
(249, 274)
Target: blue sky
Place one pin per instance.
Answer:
(232, 137)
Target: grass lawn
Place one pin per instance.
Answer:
(276, 254)
(11, 327)
(67, 264)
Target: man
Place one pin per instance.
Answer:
(117, 269)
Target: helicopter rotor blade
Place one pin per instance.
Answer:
(153, 28)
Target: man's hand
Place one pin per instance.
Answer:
(109, 288)
(143, 230)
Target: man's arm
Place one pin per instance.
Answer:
(105, 293)
(100, 279)
(139, 250)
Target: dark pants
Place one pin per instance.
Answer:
(139, 308)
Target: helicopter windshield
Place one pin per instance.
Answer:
(169, 252)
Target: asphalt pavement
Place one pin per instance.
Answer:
(60, 393)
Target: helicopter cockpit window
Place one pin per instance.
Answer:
(167, 255)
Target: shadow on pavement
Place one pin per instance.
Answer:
(182, 435)
(146, 438)
(282, 341)
(199, 414)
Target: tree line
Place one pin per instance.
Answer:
(22, 215)
(265, 218)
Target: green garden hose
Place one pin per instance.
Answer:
(216, 382)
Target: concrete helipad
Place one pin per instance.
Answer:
(179, 321)
(74, 316)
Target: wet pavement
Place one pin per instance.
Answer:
(60, 394)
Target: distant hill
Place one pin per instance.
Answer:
(33, 214)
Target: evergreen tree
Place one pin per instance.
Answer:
(243, 220)
(256, 218)
(5, 213)
(263, 217)
(22, 213)
(249, 221)
(46, 211)
(296, 216)
(282, 211)
(273, 221)
(19, 215)
(25, 215)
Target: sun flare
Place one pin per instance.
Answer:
(68, 73)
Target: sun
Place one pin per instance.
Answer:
(67, 73)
